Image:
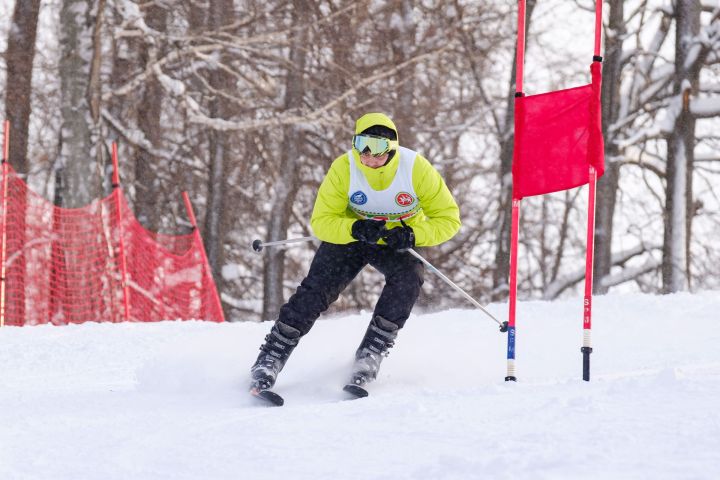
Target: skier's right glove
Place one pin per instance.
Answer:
(368, 231)
(400, 238)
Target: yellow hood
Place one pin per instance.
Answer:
(370, 119)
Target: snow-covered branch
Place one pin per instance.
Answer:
(315, 116)
(705, 107)
(554, 289)
(629, 274)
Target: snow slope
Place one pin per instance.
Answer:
(167, 400)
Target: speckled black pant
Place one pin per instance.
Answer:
(334, 267)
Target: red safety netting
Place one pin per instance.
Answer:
(97, 263)
(558, 135)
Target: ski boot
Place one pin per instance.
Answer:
(278, 346)
(379, 337)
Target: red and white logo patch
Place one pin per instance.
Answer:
(403, 199)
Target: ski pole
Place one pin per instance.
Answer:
(503, 325)
(258, 245)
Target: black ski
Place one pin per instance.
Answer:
(355, 390)
(267, 396)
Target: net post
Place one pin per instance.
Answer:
(512, 301)
(586, 348)
(198, 238)
(121, 242)
(3, 221)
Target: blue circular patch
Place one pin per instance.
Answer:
(358, 198)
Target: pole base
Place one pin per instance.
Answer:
(510, 379)
(586, 351)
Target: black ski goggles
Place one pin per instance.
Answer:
(374, 145)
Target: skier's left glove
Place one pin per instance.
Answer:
(400, 238)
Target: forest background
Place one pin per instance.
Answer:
(244, 104)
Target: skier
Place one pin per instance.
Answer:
(377, 201)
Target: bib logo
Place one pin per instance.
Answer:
(358, 198)
(403, 199)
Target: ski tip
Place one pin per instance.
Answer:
(267, 396)
(355, 390)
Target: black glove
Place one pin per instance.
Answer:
(368, 231)
(400, 238)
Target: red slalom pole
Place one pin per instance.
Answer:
(515, 226)
(586, 349)
(121, 243)
(512, 301)
(520, 59)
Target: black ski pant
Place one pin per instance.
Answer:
(335, 266)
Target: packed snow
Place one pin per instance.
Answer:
(169, 399)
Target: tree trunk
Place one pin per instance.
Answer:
(286, 187)
(501, 273)
(19, 59)
(94, 95)
(607, 185)
(18, 92)
(681, 145)
(221, 13)
(147, 204)
(81, 183)
(402, 36)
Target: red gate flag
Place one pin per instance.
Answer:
(558, 135)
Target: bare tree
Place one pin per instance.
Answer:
(79, 181)
(607, 186)
(681, 147)
(221, 14)
(286, 181)
(148, 208)
(505, 130)
(19, 59)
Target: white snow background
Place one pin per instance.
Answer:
(168, 400)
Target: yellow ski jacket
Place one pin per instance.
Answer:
(332, 219)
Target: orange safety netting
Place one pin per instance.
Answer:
(97, 263)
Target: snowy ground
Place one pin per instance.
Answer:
(167, 400)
